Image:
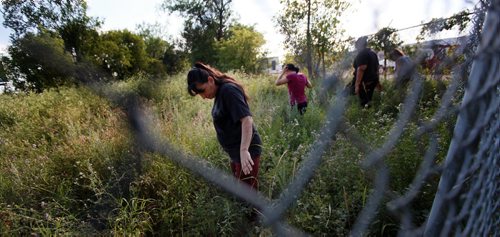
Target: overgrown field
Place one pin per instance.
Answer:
(69, 166)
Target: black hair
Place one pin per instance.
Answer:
(196, 75)
(292, 67)
(200, 73)
(396, 53)
(361, 42)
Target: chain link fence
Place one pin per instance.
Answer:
(467, 200)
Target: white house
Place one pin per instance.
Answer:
(271, 65)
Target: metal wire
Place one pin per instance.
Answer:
(467, 200)
(466, 203)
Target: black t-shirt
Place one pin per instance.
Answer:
(369, 58)
(230, 106)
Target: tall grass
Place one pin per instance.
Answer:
(69, 165)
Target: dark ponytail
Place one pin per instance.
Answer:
(200, 73)
(292, 68)
(196, 75)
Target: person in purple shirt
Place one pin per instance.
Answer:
(297, 82)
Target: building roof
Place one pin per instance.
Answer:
(446, 41)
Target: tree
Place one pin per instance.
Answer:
(241, 49)
(67, 17)
(206, 22)
(460, 20)
(78, 38)
(175, 60)
(121, 53)
(386, 39)
(164, 58)
(42, 61)
(312, 25)
(155, 48)
(152, 36)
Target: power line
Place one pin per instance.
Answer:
(430, 22)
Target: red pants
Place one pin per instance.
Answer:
(249, 179)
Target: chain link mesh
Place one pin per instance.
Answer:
(466, 203)
(467, 200)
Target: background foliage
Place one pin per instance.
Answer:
(312, 32)
(211, 35)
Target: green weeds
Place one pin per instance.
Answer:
(69, 165)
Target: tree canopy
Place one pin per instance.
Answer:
(42, 60)
(32, 16)
(311, 27)
(386, 39)
(61, 31)
(460, 20)
(241, 49)
(68, 18)
(212, 36)
(312, 30)
(121, 53)
(206, 22)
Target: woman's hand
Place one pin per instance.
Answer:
(360, 71)
(246, 137)
(246, 162)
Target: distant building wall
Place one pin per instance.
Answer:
(271, 65)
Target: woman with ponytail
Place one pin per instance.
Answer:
(232, 119)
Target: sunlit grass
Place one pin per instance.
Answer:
(70, 167)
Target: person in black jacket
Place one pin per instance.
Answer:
(366, 77)
(232, 119)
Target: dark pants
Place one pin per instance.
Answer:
(250, 179)
(301, 107)
(366, 92)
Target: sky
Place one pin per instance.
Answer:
(362, 18)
